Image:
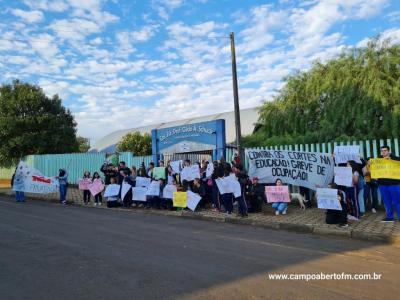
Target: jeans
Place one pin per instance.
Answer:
(227, 200)
(371, 189)
(391, 198)
(242, 205)
(20, 196)
(361, 202)
(280, 206)
(63, 192)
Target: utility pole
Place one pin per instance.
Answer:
(236, 96)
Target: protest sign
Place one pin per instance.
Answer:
(193, 200)
(210, 169)
(306, 169)
(328, 199)
(139, 193)
(385, 168)
(345, 153)
(223, 185)
(168, 191)
(176, 166)
(112, 190)
(96, 187)
(190, 173)
(30, 180)
(180, 199)
(125, 189)
(343, 176)
(159, 173)
(142, 181)
(277, 193)
(84, 184)
(154, 188)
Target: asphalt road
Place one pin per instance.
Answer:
(50, 251)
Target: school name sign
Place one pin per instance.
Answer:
(311, 170)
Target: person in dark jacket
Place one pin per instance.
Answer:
(127, 178)
(215, 195)
(109, 172)
(198, 188)
(122, 168)
(256, 196)
(334, 216)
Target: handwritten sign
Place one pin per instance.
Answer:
(154, 188)
(190, 173)
(210, 169)
(345, 153)
(169, 191)
(193, 200)
(159, 173)
(139, 193)
(112, 190)
(142, 181)
(343, 176)
(328, 199)
(125, 189)
(277, 193)
(180, 199)
(96, 187)
(84, 184)
(306, 169)
(176, 166)
(385, 168)
(223, 185)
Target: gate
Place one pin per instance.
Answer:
(192, 156)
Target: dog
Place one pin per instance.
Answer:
(299, 197)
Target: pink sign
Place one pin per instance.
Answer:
(84, 184)
(277, 193)
(96, 187)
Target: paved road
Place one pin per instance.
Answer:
(50, 251)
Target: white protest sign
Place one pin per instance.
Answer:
(193, 200)
(112, 190)
(234, 185)
(190, 173)
(139, 193)
(345, 153)
(30, 180)
(154, 188)
(168, 191)
(311, 170)
(224, 185)
(343, 176)
(328, 199)
(210, 169)
(176, 166)
(142, 181)
(124, 189)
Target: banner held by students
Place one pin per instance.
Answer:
(345, 153)
(311, 170)
(328, 199)
(30, 180)
(277, 193)
(343, 176)
(385, 168)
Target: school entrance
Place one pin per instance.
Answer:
(198, 141)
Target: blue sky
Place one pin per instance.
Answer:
(122, 63)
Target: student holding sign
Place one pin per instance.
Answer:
(280, 207)
(98, 199)
(84, 185)
(389, 187)
(335, 216)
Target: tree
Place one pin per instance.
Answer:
(136, 143)
(354, 96)
(32, 123)
(83, 144)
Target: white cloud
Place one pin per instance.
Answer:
(34, 16)
(47, 5)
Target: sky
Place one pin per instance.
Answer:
(121, 64)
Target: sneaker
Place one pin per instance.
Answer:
(387, 220)
(134, 205)
(284, 212)
(95, 203)
(64, 202)
(343, 225)
(373, 211)
(277, 213)
(100, 203)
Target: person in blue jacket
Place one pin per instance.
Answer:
(63, 181)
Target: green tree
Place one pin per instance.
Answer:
(354, 96)
(136, 143)
(32, 123)
(83, 144)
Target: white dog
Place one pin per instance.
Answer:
(299, 198)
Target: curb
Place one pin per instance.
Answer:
(393, 239)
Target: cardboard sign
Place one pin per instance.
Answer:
(139, 193)
(328, 199)
(176, 166)
(142, 181)
(154, 188)
(385, 168)
(112, 190)
(159, 173)
(84, 184)
(96, 187)
(343, 176)
(190, 173)
(345, 153)
(193, 200)
(168, 191)
(210, 169)
(125, 189)
(180, 199)
(277, 193)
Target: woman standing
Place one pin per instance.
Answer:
(63, 181)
